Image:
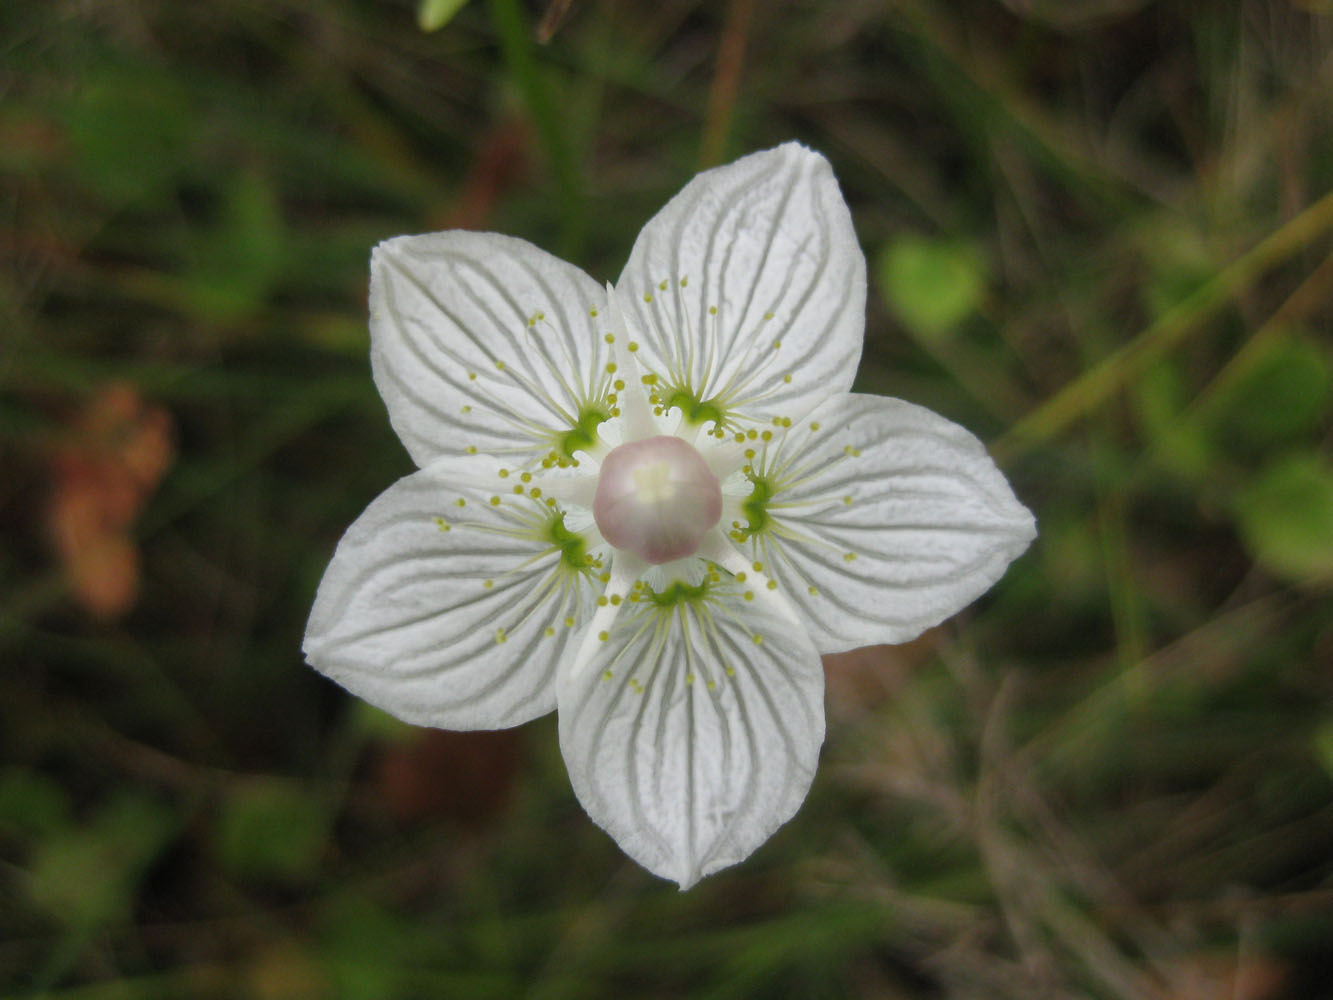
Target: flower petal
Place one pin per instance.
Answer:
(447, 615)
(885, 519)
(689, 740)
(484, 341)
(749, 286)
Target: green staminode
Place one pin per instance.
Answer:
(696, 411)
(754, 506)
(583, 435)
(679, 593)
(573, 551)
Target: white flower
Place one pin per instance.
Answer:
(652, 506)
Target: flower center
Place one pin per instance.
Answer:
(657, 498)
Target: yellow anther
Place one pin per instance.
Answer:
(500, 637)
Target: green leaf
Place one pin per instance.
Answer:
(32, 802)
(272, 829)
(1323, 745)
(238, 259)
(932, 285)
(130, 130)
(89, 877)
(378, 725)
(432, 15)
(1286, 518)
(1282, 395)
(1178, 262)
(1183, 447)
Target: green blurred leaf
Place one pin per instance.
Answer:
(89, 877)
(364, 947)
(130, 129)
(1282, 395)
(432, 15)
(1286, 517)
(237, 260)
(932, 285)
(32, 802)
(1183, 447)
(1323, 745)
(272, 829)
(379, 725)
(1178, 262)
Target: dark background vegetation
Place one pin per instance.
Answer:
(1099, 235)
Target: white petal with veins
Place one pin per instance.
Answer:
(447, 615)
(750, 285)
(483, 341)
(885, 520)
(689, 741)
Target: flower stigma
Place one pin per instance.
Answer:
(657, 498)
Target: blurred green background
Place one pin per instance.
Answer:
(1100, 235)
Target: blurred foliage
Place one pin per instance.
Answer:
(1100, 237)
